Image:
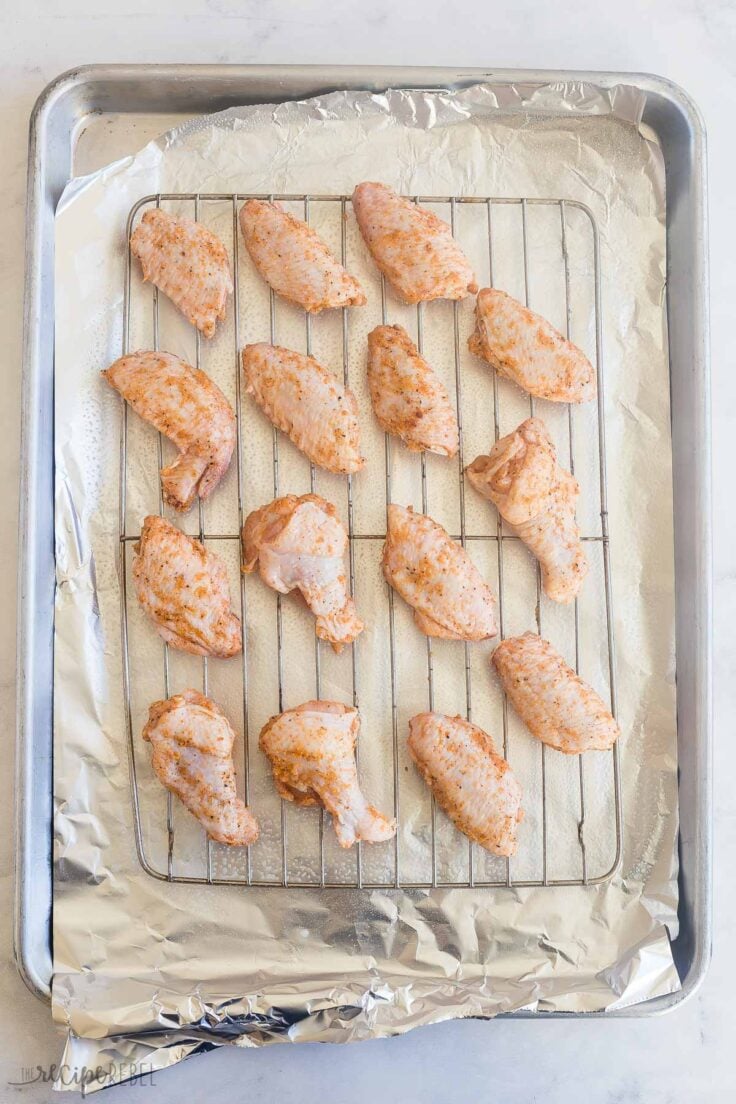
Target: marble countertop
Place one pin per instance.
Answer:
(682, 1057)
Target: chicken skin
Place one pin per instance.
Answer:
(299, 543)
(413, 248)
(192, 745)
(409, 400)
(523, 480)
(188, 263)
(294, 261)
(529, 351)
(312, 753)
(183, 588)
(471, 782)
(435, 575)
(552, 700)
(307, 402)
(187, 407)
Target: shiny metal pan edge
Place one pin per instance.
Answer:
(137, 91)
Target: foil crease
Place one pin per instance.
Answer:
(149, 972)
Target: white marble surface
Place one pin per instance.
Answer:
(682, 1057)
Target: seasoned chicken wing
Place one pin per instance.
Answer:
(299, 543)
(409, 399)
(528, 350)
(436, 576)
(471, 782)
(192, 756)
(312, 753)
(552, 700)
(307, 402)
(188, 263)
(183, 588)
(187, 407)
(537, 498)
(294, 260)
(413, 248)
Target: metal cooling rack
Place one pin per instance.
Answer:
(503, 874)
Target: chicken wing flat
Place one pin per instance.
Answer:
(188, 263)
(528, 350)
(409, 400)
(307, 402)
(552, 700)
(292, 258)
(312, 753)
(192, 745)
(471, 782)
(187, 407)
(299, 543)
(537, 497)
(435, 575)
(183, 588)
(413, 248)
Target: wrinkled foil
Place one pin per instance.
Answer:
(150, 972)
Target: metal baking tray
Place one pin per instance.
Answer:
(96, 114)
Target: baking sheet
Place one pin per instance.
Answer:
(343, 964)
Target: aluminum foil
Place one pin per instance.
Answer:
(150, 972)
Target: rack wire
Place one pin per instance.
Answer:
(427, 851)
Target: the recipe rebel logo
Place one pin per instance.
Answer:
(63, 1076)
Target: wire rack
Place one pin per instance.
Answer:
(572, 831)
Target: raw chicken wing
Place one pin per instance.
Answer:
(192, 756)
(312, 753)
(537, 498)
(294, 260)
(307, 402)
(471, 782)
(300, 543)
(413, 248)
(185, 405)
(528, 350)
(183, 588)
(187, 262)
(409, 399)
(435, 575)
(552, 700)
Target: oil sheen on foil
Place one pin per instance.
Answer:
(151, 971)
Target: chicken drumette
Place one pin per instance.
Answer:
(536, 497)
(299, 543)
(192, 756)
(312, 753)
